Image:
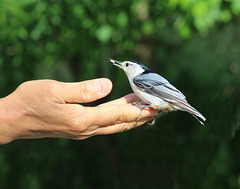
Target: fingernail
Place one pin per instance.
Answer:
(104, 86)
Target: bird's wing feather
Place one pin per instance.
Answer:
(158, 86)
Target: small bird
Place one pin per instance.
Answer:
(154, 90)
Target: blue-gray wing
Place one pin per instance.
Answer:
(156, 85)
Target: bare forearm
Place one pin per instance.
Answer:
(6, 121)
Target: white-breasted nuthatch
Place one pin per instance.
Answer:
(155, 90)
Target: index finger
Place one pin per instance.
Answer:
(124, 100)
(105, 115)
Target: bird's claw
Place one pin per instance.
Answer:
(141, 108)
(152, 122)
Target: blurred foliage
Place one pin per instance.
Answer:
(203, 14)
(193, 43)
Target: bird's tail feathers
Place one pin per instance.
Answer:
(188, 108)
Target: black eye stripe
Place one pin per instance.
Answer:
(127, 64)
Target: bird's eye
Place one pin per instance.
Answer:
(127, 64)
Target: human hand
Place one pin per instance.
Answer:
(48, 108)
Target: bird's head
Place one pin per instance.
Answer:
(131, 68)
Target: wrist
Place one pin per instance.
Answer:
(4, 123)
(9, 117)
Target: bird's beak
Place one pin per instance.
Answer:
(115, 63)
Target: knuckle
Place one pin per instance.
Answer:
(45, 86)
(119, 116)
(85, 93)
(77, 125)
(128, 126)
(25, 85)
(50, 86)
(122, 129)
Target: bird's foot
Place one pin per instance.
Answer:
(139, 105)
(153, 121)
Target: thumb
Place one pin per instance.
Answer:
(86, 91)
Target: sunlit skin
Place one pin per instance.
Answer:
(48, 108)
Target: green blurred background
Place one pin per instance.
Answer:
(195, 44)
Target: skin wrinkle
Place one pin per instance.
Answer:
(87, 95)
